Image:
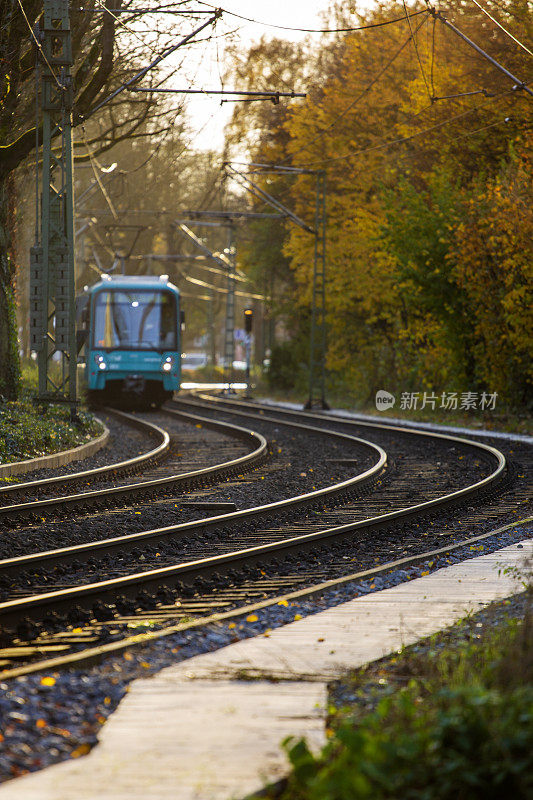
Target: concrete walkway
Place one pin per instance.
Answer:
(210, 728)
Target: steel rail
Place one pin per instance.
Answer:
(37, 606)
(468, 443)
(143, 488)
(66, 555)
(187, 572)
(94, 654)
(130, 464)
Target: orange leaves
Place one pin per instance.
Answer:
(82, 750)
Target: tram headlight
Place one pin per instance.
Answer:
(100, 362)
(166, 365)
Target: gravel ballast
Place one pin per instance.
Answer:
(52, 717)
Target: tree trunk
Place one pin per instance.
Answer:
(9, 357)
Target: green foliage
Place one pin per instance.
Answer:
(467, 743)
(461, 730)
(418, 233)
(287, 368)
(27, 431)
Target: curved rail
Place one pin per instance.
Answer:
(495, 476)
(129, 465)
(187, 572)
(67, 555)
(37, 606)
(148, 487)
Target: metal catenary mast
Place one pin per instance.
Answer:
(52, 273)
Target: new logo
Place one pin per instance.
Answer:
(384, 400)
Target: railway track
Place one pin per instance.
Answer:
(145, 487)
(223, 563)
(21, 490)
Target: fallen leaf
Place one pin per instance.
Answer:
(82, 750)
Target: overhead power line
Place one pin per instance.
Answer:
(359, 96)
(415, 46)
(312, 30)
(135, 11)
(167, 52)
(519, 84)
(274, 96)
(39, 47)
(484, 11)
(390, 142)
(219, 289)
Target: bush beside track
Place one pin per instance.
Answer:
(449, 718)
(28, 431)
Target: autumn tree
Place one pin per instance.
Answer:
(412, 127)
(491, 259)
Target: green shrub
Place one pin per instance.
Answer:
(27, 431)
(288, 367)
(460, 727)
(464, 744)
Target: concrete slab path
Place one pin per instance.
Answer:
(210, 727)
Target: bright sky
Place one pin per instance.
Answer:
(207, 116)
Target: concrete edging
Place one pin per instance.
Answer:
(57, 459)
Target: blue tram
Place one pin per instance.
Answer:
(133, 345)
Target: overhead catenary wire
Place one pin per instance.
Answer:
(39, 47)
(221, 290)
(126, 28)
(394, 160)
(166, 52)
(311, 30)
(508, 33)
(432, 71)
(402, 139)
(359, 97)
(519, 84)
(415, 46)
(94, 164)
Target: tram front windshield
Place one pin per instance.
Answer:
(135, 320)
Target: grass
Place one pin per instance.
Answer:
(28, 431)
(447, 719)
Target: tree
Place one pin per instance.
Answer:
(412, 127)
(107, 52)
(491, 259)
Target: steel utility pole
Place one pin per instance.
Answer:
(52, 273)
(226, 261)
(225, 219)
(317, 355)
(229, 333)
(317, 344)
